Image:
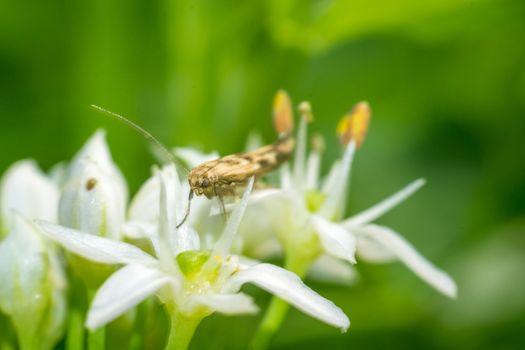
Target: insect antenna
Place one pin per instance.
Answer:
(187, 210)
(148, 136)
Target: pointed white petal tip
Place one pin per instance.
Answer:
(397, 244)
(289, 287)
(95, 147)
(452, 289)
(25, 188)
(122, 291)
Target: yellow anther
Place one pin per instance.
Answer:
(217, 258)
(282, 113)
(354, 125)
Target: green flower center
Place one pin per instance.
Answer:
(314, 200)
(191, 262)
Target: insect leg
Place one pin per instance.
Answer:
(223, 207)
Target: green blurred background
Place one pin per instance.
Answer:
(446, 82)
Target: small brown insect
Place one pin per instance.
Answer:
(223, 176)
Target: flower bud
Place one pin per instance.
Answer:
(26, 189)
(32, 286)
(95, 194)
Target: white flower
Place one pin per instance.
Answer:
(32, 286)
(190, 281)
(25, 189)
(94, 195)
(306, 216)
(144, 210)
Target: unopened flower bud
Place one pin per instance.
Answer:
(27, 190)
(94, 195)
(32, 286)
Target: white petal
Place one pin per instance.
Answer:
(91, 202)
(256, 231)
(96, 150)
(142, 230)
(32, 286)
(385, 205)
(188, 239)
(437, 278)
(95, 248)
(373, 251)
(145, 213)
(229, 304)
(122, 291)
(244, 262)
(95, 192)
(145, 204)
(184, 238)
(194, 157)
(334, 205)
(232, 226)
(139, 230)
(58, 173)
(286, 209)
(166, 223)
(329, 269)
(312, 170)
(23, 267)
(286, 176)
(289, 287)
(336, 241)
(27, 190)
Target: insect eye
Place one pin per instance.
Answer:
(205, 183)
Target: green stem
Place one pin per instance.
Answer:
(139, 329)
(75, 325)
(278, 308)
(181, 331)
(6, 334)
(75, 329)
(270, 324)
(96, 338)
(29, 342)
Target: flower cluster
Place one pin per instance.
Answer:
(75, 228)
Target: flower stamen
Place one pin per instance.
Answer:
(354, 125)
(282, 113)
